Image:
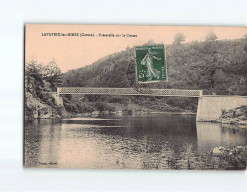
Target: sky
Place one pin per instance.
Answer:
(71, 52)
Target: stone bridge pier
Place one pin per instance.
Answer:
(58, 99)
(210, 107)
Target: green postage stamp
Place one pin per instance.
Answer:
(150, 64)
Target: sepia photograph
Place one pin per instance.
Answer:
(135, 97)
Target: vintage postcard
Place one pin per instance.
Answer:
(135, 97)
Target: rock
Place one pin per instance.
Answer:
(243, 122)
(216, 151)
(58, 116)
(106, 112)
(96, 113)
(236, 116)
(234, 121)
(239, 113)
(39, 108)
(35, 115)
(47, 86)
(242, 117)
(228, 114)
(46, 116)
(221, 148)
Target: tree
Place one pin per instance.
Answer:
(33, 77)
(52, 69)
(178, 38)
(211, 37)
(150, 42)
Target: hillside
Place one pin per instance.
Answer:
(211, 65)
(215, 66)
(40, 81)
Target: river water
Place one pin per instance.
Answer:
(141, 141)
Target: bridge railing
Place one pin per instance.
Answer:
(130, 91)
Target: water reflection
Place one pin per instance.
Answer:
(210, 135)
(134, 142)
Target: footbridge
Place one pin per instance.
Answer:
(129, 91)
(210, 107)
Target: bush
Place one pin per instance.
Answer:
(70, 107)
(86, 108)
(100, 106)
(116, 100)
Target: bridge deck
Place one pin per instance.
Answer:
(130, 91)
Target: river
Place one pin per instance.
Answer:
(140, 141)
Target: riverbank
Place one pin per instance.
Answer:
(219, 158)
(120, 112)
(37, 109)
(222, 158)
(237, 116)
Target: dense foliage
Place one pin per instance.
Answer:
(40, 81)
(214, 66)
(211, 65)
